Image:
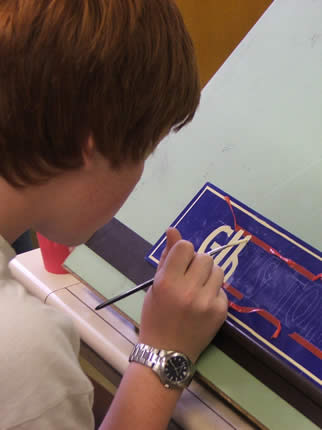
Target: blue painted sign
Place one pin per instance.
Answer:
(274, 271)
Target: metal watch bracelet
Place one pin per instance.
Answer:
(156, 359)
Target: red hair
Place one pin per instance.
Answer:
(123, 70)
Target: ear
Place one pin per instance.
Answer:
(89, 152)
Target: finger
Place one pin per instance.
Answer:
(200, 269)
(215, 281)
(173, 236)
(222, 304)
(179, 258)
(222, 294)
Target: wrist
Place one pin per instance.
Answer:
(163, 345)
(174, 369)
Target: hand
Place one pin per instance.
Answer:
(186, 305)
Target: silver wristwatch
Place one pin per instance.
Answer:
(174, 369)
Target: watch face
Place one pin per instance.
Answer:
(176, 369)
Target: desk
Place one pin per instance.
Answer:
(108, 340)
(257, 135)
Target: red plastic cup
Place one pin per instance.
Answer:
(53, 254)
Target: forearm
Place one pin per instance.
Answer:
(141, 402)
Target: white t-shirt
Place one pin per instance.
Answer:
(42, 386)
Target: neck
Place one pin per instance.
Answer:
(14, 211)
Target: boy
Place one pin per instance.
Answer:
(88, 88)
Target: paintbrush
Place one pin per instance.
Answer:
(150, 281)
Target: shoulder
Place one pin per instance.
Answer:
(73, 413)
(39, 354)
(25, 320)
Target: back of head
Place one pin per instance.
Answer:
(121, 70)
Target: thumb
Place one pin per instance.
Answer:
(173, 236)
